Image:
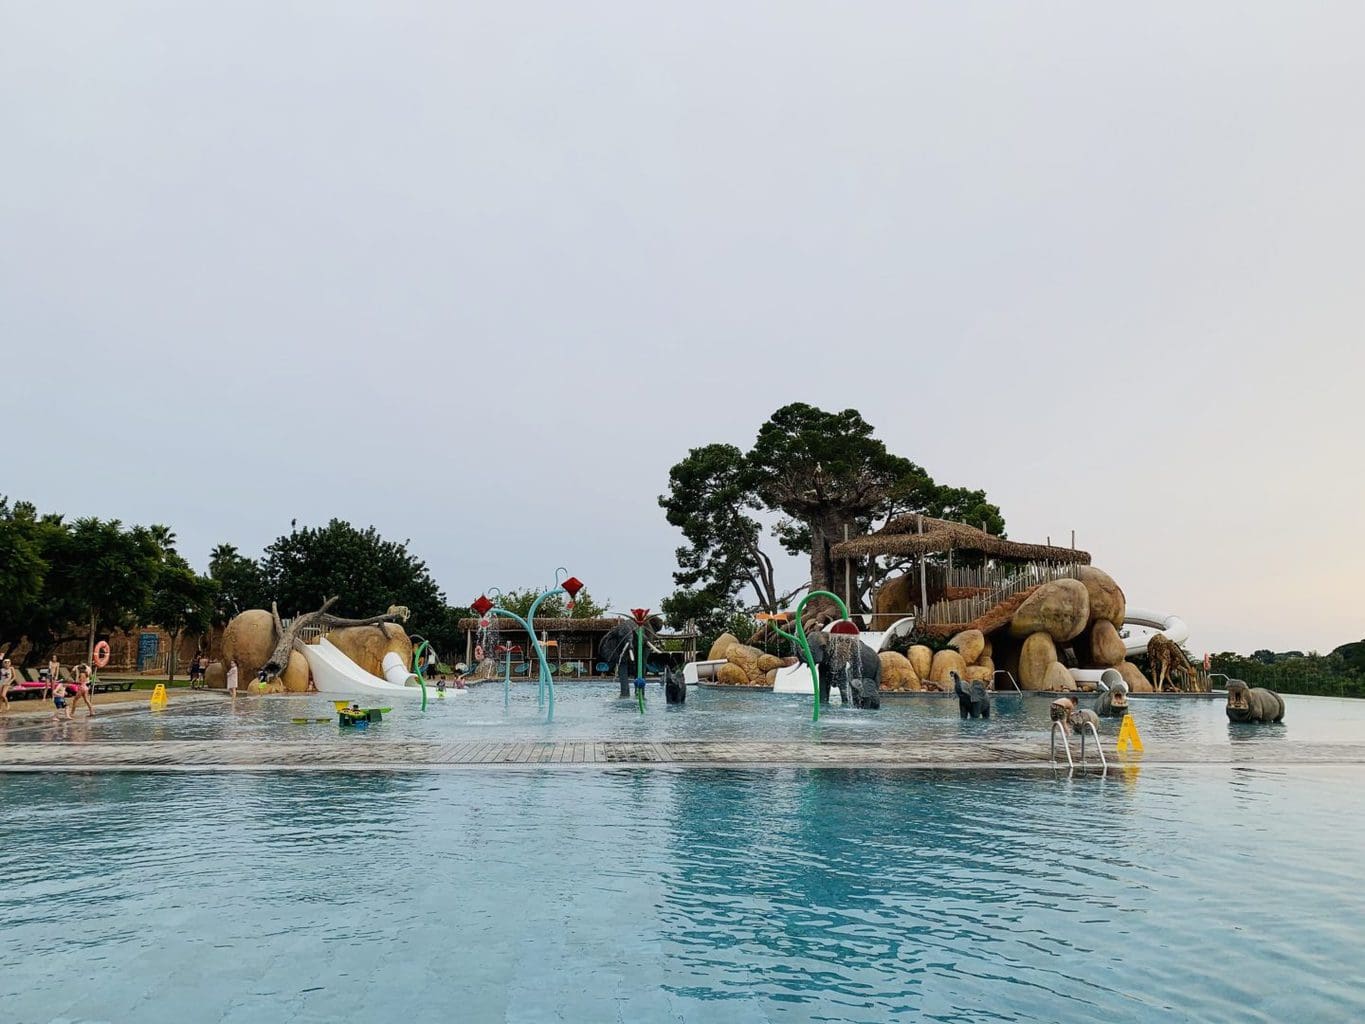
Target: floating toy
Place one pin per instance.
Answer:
(355, 715)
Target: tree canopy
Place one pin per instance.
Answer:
(818, 473)
(556, 606)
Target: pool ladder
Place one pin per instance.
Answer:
(1060, 727)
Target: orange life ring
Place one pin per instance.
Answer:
(478, 652)
(100, 656)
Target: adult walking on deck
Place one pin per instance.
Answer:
(82, 688)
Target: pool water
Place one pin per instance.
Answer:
(593, 711)
(626, 894)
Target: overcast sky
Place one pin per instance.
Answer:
(478, 274)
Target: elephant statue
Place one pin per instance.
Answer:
(972, 699)
(1112, 701)
(675, 687)
(618, 649)
(847, 662)
(1253, 703)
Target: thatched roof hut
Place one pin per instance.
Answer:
(542, 624)
(915, 535)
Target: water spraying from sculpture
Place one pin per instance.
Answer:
(484, 608)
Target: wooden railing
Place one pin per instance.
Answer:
(1003, 585)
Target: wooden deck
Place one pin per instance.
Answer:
(397, 756)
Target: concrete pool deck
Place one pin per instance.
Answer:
(368, 755)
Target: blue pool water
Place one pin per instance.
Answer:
(592, 711)
(639, 895)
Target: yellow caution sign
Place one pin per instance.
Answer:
(158, 701)
(341, 705)
(1129, 737)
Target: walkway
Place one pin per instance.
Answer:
(390, 756)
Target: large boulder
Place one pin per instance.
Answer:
(1132, 675)
(946, 661)
(746, 658)
(215, 676)
(921, 659)
(978, 674)
(249, 639)
(970, 643)
(1060, 608)
(1058, 678)
(770, 677)
(1107, 602)
(296, 675)
(367, 645)
(985, 663)
(1036, 655)
(1106, 648)
(731, 675)
(769, 662)
(897, 672)
(723, 643)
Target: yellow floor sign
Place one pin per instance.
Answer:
(1129, 736)
(158, 700)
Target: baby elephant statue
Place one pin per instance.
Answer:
(972, 699)
(846, 662)
(1253, 704)
(1113, 701)
(675, 687)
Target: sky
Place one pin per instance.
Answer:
(479, 274)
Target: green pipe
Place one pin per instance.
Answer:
(804, 645)
(545, 681)
(417, 670)
(535, 645)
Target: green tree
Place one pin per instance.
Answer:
(556, 606)
(239, 583)
(710, 499)
(183, 601)
(824, 474)
(108, 572)
(303, 568)
(712, 612)
(21, 554)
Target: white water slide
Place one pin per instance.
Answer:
(336, 675)
(1141, 624)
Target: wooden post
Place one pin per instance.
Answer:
(469, 648)
(848, 572)
(923, 578)
(1073, 540)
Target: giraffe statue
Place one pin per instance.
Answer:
(1166, 660)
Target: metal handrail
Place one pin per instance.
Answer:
(1066, 744)
(1007, 675)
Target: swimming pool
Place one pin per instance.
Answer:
(683, 895)
(592, 711)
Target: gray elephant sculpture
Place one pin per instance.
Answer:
(972, 699)
(848, 663)
(1112, 701)
(618, 650)
(675, 687)
(1253, 703)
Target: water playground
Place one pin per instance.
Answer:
(973, 806)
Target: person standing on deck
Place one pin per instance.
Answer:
(82, 688)
(54, 671)
(6, 681)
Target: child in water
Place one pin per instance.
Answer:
(59, 703)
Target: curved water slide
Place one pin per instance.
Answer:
(1141, 624)
(336, 675)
